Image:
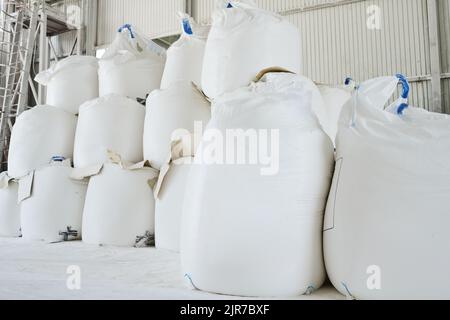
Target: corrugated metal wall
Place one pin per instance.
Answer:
(336, 40)
(444, 20)
(155, 18)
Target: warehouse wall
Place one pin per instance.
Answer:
(336, 40)
(444, 20)
(155, 18)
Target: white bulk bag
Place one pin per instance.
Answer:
(334, 99)
(169, 194)
(9, 207)
(256, 229)
(184, 61)
(244, 40)
(37, 136)
(128, 68)
(386, 226)
(51, 203)
(120, 205)
(112, 122)
(71, 82)
(170, 113)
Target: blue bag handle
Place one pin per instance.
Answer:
(129, 28)
(405, 94)
(349, 81)
(58, 159)
(187, 27)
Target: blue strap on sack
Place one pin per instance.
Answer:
(349, 81)
(229, 6)
(405, 93)
(187, 27)
(404, 96)
(58, 159)
(129, 28)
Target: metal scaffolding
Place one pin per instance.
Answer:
(26, 27)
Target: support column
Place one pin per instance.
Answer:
(43, 54)
(433, 30)
(91, 26)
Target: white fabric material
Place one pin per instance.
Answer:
(129, 70)
(248, 234)
(388, 213)
(243, 41)
(185, 56)
(169, 111)
(9, 207)
(71, 82)
(55, 203)
(38, 135)
(119, 206)
(113, 123)
(169, 207)
(334, 99)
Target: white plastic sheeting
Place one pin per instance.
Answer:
(51, 203)
(129, 69)
(185, 57)
(243, 41)
(37, 136)
(251, 232)
(112, 122)
(9, 207)
(386, 227)
(71, 82)
(172, 113)
(119, 204)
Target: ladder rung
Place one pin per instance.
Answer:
(13, 45)
(10, 67)
(11, 74)
(14, 93)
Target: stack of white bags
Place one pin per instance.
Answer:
(83, 122)
(231, 164)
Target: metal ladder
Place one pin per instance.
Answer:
(18, 26)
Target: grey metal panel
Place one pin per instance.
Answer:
(444, 28)
(446, 95)
(154, 18)
(337, 42)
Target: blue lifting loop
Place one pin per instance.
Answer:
(58, 159)
(349, 81)
(187, 27)
(229, 6)
(129, 28)
(405, 94)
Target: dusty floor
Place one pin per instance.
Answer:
(39, 271)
